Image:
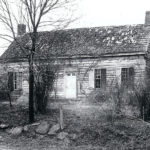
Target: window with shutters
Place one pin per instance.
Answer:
(100, 78)
(127, 77)
(15, 80)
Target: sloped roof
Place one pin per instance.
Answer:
(85, 41)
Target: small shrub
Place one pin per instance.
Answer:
(98, 96)
(133, 102)
(143, 101)
(4, 95)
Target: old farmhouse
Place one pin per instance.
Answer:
(88, 58)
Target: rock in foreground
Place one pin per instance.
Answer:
(43, 128)
(62, 135)
(16, 131)
(53, 130)
(4, 126)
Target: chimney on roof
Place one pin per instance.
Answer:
(147, 18)
(21, 29)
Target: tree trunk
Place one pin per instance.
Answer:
(31, 89)
(10, 104)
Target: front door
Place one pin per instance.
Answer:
(70, 85)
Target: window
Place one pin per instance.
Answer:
(19, 80)
(15, 80)
(127, 77)
(100, 78)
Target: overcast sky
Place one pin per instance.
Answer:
(106, 13)
(112, 12)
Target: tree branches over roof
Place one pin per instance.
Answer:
(85, 41)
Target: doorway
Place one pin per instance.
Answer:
(70, 85)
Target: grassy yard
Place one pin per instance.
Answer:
(96, 128)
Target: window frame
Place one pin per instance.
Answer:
(100, 76)
(127, 77)
(19, 80)
(16, 80)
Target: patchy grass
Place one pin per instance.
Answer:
(14, 116)
(96, 127)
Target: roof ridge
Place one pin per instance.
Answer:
(97, 27)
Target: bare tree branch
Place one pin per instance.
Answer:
(32, 14)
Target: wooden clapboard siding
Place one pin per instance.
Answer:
(113, 67)
(148, 70)
(83, 68)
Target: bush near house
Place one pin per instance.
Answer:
(129, 101)
(4, 88)
(44, 81)
(98, 96)
(4, 95)
(142, 98)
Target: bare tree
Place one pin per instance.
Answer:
(35, 14)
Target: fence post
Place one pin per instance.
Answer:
(143, 114)
(61, 122)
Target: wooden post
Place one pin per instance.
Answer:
(143, 114)
(61, 122)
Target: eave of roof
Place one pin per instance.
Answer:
(78, 57)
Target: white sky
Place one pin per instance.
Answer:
(105, 13)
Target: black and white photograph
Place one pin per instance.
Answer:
(74, 75)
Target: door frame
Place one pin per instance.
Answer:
(70, 70)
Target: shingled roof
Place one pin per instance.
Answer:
(85, 41)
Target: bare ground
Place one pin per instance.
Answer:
(96, 128)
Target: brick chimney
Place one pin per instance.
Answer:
(21, 29)
(147, 18)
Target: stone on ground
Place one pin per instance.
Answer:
(73, 136)
(53, 130)
(62, 135)
(16, 131)
(42, 128)
(35, 124)
(40, 136)
(8, 131)
(4, 126)
(66, 141)
(26, 128)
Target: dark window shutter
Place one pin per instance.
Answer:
(131, 72)
(131, 76)
(103, 78)
(10, 81)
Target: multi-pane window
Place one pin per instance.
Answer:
(127, 77)
(18, 80)
(100, 78)
(15, 80)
